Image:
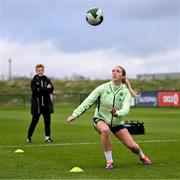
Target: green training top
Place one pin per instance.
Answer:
(107, 96)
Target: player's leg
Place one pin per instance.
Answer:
(47, 127)
(35, 119)
(104, 130)
(128, 141)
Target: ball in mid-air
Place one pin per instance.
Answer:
(94, 16)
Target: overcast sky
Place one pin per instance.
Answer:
(141, 35)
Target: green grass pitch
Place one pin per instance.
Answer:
(77, 144)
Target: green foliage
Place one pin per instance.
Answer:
(86, 86)
(156, 85)
(78, 144)
(21, 86)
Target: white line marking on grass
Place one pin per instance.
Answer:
(84, 143)
(159, 141)
(47, 145)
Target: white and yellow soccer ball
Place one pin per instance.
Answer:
(94, 16)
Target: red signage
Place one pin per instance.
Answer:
(168, 98)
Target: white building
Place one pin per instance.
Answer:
(158, 76)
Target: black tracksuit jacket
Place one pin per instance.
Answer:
(41, 100)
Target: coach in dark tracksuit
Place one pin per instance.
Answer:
(41, 102)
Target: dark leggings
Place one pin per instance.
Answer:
(35, 119)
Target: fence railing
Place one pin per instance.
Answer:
(24, 100)
(153, 98)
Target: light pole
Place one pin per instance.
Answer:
(10, 70)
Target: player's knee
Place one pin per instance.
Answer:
(105, 132)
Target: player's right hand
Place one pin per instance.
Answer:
(70, 118)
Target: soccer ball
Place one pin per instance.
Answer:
(94, 16)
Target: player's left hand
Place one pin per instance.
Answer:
(49, 86)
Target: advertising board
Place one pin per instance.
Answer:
(168, 98)
(146, 99)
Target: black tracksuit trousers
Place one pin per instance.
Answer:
(35, 119)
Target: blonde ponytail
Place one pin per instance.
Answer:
(133, 93)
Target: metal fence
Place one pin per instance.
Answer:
(24, 100)
(144, 99)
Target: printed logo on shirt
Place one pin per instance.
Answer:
(108, 92)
